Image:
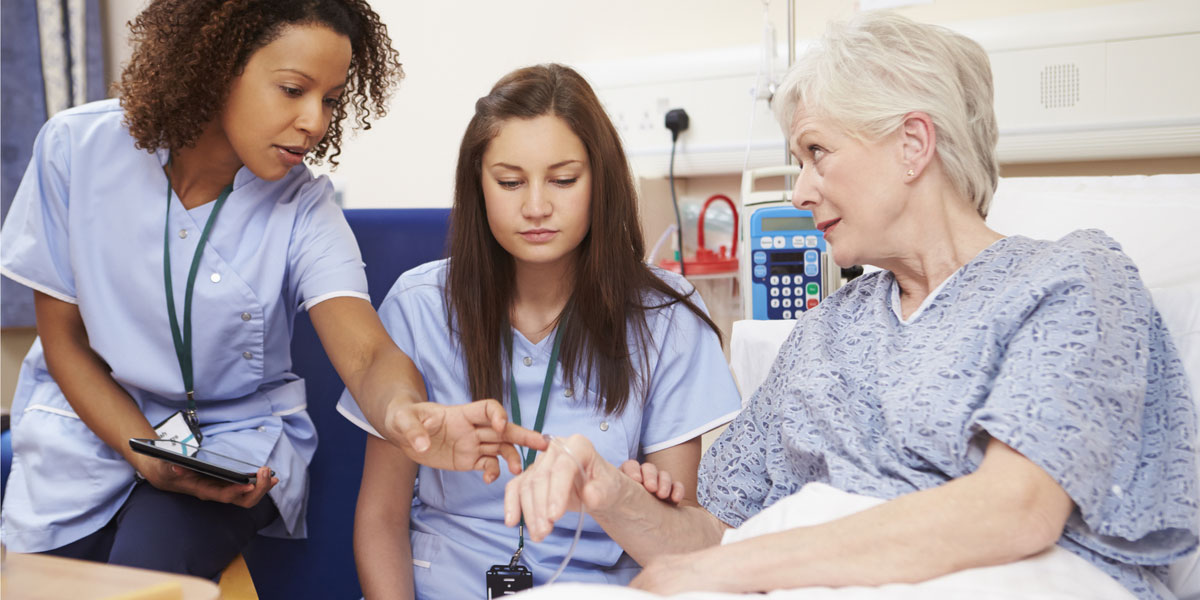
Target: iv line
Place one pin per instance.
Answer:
(582, 509)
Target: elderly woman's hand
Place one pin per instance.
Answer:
(553, 485)
(703, 570)
(658, 482)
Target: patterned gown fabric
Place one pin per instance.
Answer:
(1053, 348)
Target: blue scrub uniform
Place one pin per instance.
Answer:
(457, 522)
(86, 227)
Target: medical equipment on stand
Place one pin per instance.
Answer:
(786, 267)
(787, 252)
(709, 262)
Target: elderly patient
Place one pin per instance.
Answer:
(1004, 394)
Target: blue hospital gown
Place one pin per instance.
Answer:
(1053, 348)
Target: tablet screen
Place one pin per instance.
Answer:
(204, 455)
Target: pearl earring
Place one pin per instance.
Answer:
(910, 173)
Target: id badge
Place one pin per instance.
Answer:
(505, 580)
(175, 428)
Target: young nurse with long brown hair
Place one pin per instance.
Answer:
(545, 303)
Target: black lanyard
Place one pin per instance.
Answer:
(183, 341)
(530, 453)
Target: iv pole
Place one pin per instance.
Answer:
(791, 49)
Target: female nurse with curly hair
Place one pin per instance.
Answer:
(171, 237)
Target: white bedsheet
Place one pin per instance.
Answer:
(1052, 575)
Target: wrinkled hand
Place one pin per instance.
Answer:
(677, 573)
(173, 478)
(658, 483)
(461, 437)
(553, 485)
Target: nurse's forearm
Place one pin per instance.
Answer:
(382, 550)
(377, 373)
(84, 378)
(389, 377)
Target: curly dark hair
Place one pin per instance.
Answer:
(187, 53)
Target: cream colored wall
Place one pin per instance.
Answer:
(454, 50)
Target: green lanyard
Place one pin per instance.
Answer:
(530, 453)
(183, 342)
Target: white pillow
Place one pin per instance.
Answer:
(1180, 309)
(1155, 218)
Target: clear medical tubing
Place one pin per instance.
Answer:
(582, 509)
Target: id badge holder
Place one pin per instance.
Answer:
(176, 428)
(505, 580)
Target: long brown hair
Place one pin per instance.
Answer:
(613, 288)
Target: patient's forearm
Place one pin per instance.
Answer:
(995, 516)
(647, 527)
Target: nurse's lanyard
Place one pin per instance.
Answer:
(530, 453)
(183, 341)
(503, 580)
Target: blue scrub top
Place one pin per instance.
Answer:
(86, 227)
(457, 521)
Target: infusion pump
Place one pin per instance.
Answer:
(785, 265)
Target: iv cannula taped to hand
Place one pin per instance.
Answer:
(503, 580)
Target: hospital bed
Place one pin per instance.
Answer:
(1155, 219)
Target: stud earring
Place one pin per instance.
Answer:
(910, 173)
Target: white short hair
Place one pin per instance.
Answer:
(866, 74)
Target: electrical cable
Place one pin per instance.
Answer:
(582, 509)
(675, 203)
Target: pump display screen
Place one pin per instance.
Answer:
(788, 224)
(788, 257)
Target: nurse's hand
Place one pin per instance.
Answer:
(554, 485)
(173, 478)
(656, 481)
(462, 437)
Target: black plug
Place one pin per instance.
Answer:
(676, 121)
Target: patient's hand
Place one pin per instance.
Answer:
(703, 570)
(461, 437)
(654, 480)
(553, 485)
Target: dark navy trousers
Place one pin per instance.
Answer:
(173, 532)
